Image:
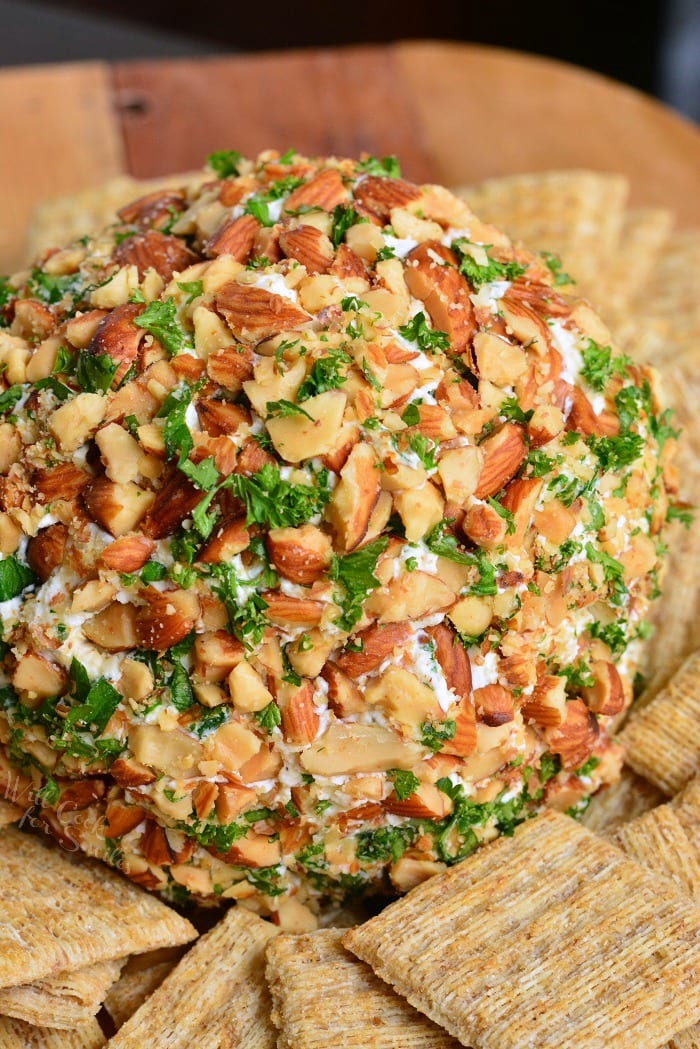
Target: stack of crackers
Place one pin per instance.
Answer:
(561, 936)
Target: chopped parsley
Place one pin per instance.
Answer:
(599, 365)
(492, 271)
(51, 288)
(434, 733)
(160, 320)
(95, 372)
(429, 339)
(382, 167)
(285, 409)
(271, 501)
(386, 844)
(425, 449)
(511, 411)
(405, 783)
(616, 452)
(507, 515)
(554, 265)
(192, 288)
(326, 374)
(355, 573)
(9, 398)
(15, 577)
(342, 218)
(269, 717)
(225, 162)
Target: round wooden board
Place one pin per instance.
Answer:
(454, 113)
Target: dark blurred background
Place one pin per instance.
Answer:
(651, 44)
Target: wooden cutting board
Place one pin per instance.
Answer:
(452, 112)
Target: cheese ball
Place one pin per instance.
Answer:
(329, 522)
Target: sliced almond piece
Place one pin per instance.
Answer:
(309, 247)
(374, 645)
(166, 618)
(494, 705)
(504, 453)
(576, 737)
(325, 191)
(345, 749)
(254, 314)
(411, 596)
(354, 497)
(432, 276)
(546, 706)
(118, 338)
(453, 659)
(128, 554)
(118, 508)
(299, 554)
(236, 239)
(300, 721)
(297, 437)
(607, 695)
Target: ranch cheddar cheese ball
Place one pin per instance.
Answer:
(329, 525)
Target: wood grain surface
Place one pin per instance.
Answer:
(452, 112)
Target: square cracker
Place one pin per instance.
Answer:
(62, 1001)
(141, 976)
(659, 841)
(547, 939)
(216, 998)
(15, 1034)
(630, 796)
(662, 740)
(663, 319)
(61, 914)
(643, 234)
(324, 997)
(577, 215)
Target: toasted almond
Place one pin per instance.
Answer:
(520, 498)
(121, 818)
(236, 238)
(46, 550)
(453, 659)
(292, 611)
(229, 538)
(484, 526)
(216, 653)
(411, 596)
(233, 799)
(375, 644)
(324, 191)
(607, 695)
(432, 276)
(494, 705)
(204, 798)
(576, 737)
(504, 453)
(379, 195)
(582, 418)
(299, 554)
(174, 502)
(128, 554)
(154, 250)
(354, 497)
(118, 338)
(427, 802)
(153, 208)
(114, 629)
(166, 618)
(309, 247)
(219, 418)
(63, 481)
(231, 366)
(463, 743)
(118, 508)
(300, 722)
(128, 772)
(344, 697)
(34, 677)
(154, 845)
(347, 264)
(547, 422)
(254, 314)
(519, 670)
